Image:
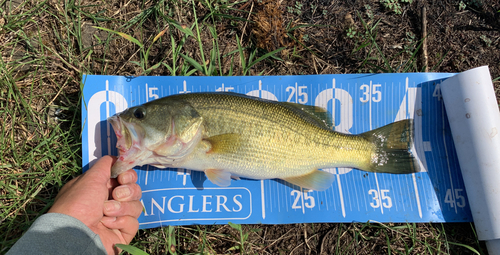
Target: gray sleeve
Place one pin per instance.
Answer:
(55, 233)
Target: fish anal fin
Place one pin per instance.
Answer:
(225, 143)
(218, 177)
(316, 180)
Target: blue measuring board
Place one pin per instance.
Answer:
(357, 103)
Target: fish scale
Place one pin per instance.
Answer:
(298, 143)
(227, 134)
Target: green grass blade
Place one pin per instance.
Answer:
(190, 72)
(200, 43)
(171, 242)
(242, 56)
(124, 35)
(185, 30)
(231, 67)
(217, 54)
(465, 246)
(267, 55)
(131, 249)
(193, 62)
(172, 73)
(155, 66)
(137, 63)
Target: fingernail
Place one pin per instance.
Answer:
(111, 206)
(122, 192)
(127, 178)
(108, 219)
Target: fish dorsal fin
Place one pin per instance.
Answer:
(316, 180)
(225, 143)
(312, 114)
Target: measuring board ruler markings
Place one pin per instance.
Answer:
(357, 103)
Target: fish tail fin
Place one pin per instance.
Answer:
(392, 149)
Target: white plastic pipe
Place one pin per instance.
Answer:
(474, 118)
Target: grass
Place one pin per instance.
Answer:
(48, 45)
(374, 60)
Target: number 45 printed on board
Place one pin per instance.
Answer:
(455, 198)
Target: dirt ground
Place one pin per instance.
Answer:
(320, 37)
(457, 40)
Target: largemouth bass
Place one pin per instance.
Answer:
(229, 135)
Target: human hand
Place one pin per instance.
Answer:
(109, 207)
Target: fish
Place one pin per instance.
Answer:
(230, 136)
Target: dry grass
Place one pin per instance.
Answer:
(47, 46)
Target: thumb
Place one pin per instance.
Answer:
(101, 171)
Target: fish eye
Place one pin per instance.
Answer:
(139, 113)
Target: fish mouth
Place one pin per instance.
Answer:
(122, 133)
(128, 145)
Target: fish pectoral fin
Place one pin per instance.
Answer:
(225, 143)
(316, 180)
(219, 177)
